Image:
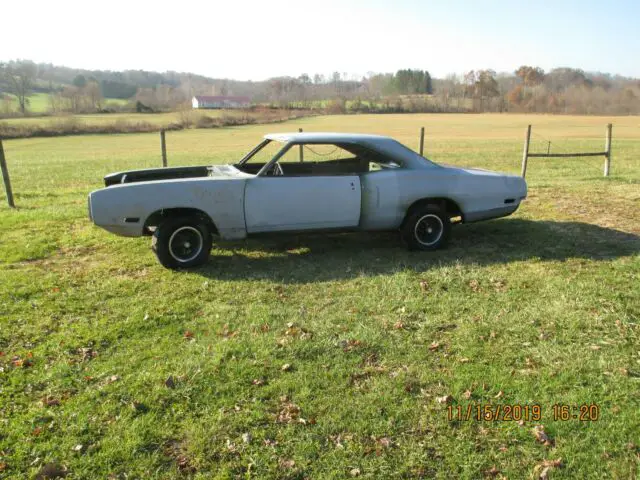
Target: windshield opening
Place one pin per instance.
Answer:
(263, 153)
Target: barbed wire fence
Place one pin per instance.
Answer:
(564, 153)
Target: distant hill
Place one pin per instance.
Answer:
(528, 89)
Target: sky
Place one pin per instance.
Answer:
(257, 39)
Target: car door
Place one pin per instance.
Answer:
(274, 203)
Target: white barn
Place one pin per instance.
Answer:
(219, 101)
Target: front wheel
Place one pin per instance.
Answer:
(182, 242)
(427, 228)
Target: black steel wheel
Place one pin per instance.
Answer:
(426, 228)
(182, 242)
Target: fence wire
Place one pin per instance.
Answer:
(553, 147)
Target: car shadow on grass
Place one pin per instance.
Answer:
(306, 258)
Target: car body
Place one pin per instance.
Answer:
(377, 187)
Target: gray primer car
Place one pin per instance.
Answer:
(380, 185)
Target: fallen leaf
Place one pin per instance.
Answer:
(51, 470)
(444, 399)
(113, 378)
(399, 325)
(500, 394)
(289, 412)
(384, 442)
(546, 466)
(246, 437)
(434, 346)
(350, 345)
(475, 286)
(175, 450)
(50, 402)
(498, 285)
(78, 448)
(286, 463)
(595, 347)
(354, 472)
(424, 285)
(541, 436)
(492, 472)
(286, 367)
(464, 360)
(258, 382)
(87, 353)
(467, 394)
(3, 466)
(226, 332)
(188, 334)
(19, 362)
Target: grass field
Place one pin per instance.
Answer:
(62, 125)
(159, 119)
(325, 356)
(41, 103)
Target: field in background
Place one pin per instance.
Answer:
(63, 125)
(40, 103)
(158, 119)
(325, 356)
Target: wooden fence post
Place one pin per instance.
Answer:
(301, 149)
(607, 151)
(163, 146)
(525, 152)
(422, 141)
(5, 176)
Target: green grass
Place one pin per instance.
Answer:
(538, 308)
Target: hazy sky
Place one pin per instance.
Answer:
(259, 39)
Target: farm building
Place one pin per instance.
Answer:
(203, 101)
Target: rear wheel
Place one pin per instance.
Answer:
(426, 228)
(182, 242)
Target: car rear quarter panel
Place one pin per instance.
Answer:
(221, 199)
(387, 195)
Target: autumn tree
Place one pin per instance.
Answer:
(530, 76)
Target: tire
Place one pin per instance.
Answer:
(426, 228)
(182, 242)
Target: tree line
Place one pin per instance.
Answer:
(527, 89)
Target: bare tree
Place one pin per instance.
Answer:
(94, 95)
(19, 77)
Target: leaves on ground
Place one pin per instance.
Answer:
(50, 471)
(542, 437)
(543, 469)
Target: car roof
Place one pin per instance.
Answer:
(319, 137)
(385, 145)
